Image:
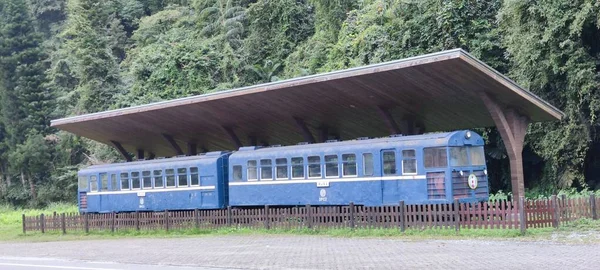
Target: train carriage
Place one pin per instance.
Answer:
(430, 168)
(192, 182)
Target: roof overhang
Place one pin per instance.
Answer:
(440, 91)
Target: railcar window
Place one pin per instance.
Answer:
(282, 168)
(182, 178)
(435, 157)
(297, 167)
(409, 162)
(135, 180)
(314, 166)
(93, 183)
(237, 173)
(266, 169)
(124, 181)
(83, 182)
(349, 165)
(114, 185)
(170, 175)
(103, 182)
(252, 171)
(368, 164)
(158, 179)
(477, 155)
(147, 180)
(331, 166)
(194, 176)
(389, 163)
(458, 156)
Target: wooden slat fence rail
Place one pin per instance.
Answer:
(500, 214)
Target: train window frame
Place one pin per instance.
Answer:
(301, 164)
(133, 179)
(393, 162)
(335, 163)
(167, 175)
(185, 176)
(146, 175)
(113, 182)
(413, 158)
(371, 165)
(263, 168)
(281, 164)
(344, 162)
(93, 183)
(160, 175)
(197, 174)
(480, 153)
(233, 173)
(458, 156)
(83, 182)
(309, 164)
(445, 148)
(103, 182)
(125, 180)
(254, 168)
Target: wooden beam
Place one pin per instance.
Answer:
(512, 128)
(308, 137)
(234, 138)
(389, 120)
(140, 154)
(173, 144)
(122, 150)
(192, 148)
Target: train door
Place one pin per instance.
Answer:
(389, 176)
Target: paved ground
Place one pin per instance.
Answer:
(317, 252)
(48, 263)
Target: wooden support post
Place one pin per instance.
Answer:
(42, 223)
(228, 215)
(308, 137)
(308, 216)
(167, 220)
(267, 225)
(24, 224)
(522, 219)
(192, 149)
(402, 216)
(173, 144)
(113, 221)
(197, 218)
(593, 206)
(512, 128)
(351, 215)
(122, 150)
(456, 215)
(137, 220)
(234, 138)
(63, 223)
(86, 221)
(140, 154)
(389, 120)
(324, 133)
(555, 213)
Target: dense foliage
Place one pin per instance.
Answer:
(68, 57)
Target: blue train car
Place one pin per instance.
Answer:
(193, 182)
(430, 168)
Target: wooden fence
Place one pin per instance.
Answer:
(484, 215)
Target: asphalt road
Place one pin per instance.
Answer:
(298, 252)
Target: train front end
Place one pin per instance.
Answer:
(467, 167)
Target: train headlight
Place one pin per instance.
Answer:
(468, 135)
(461, 173)
(485, 171)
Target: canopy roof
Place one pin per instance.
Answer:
(435, 92)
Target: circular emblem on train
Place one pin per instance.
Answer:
(472, 181)
(323, 193)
